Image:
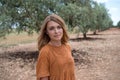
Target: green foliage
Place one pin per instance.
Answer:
(68, 12)
(27, 15)
(5, 25)
(118, 24)
(101, 19)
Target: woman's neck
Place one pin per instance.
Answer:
(55, 43)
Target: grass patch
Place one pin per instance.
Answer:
(7, 45)
(14, 39)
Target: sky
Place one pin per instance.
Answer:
(113, 7)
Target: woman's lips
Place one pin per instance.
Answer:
(56, 35)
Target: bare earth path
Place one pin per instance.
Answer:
(104, 55)
(99, 59)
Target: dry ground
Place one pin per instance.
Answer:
(97, 58)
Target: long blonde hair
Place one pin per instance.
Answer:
(43, 38)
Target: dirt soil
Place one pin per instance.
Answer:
(96, 58)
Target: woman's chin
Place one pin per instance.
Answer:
(57, 39)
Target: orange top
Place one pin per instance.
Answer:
(55, 62)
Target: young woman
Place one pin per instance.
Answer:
(55, 61)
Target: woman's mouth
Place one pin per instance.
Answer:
(57, 35)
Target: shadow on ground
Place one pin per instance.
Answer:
(24, 55)
(80, 57)
(88, 39)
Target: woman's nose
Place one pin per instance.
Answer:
(56, 30)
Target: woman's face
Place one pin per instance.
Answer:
(54, 31)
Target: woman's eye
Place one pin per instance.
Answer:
(59, 27)
(51, 28)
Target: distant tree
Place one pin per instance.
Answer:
(118, 24)
(83, 20)
(25, 15)
(101, 19)
(84, 17)
(69, 12)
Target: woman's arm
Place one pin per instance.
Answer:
(44, 78)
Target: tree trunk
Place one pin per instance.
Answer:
(38, 26)
(84, 35)
(71, 21)
(94, 33)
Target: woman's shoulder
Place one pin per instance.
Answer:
(45, 48)
(68, 45)
(44, 51)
